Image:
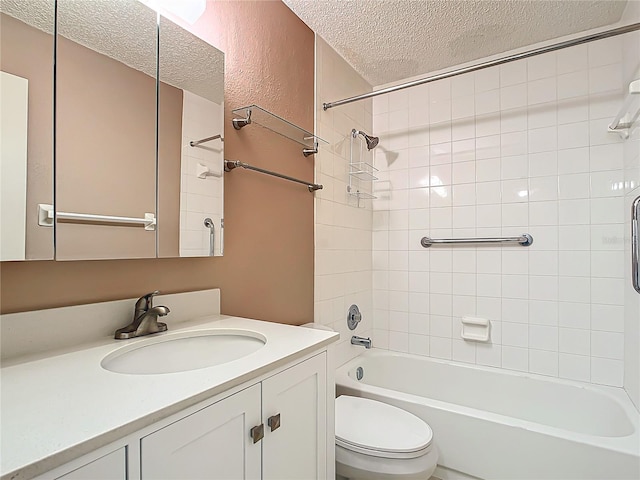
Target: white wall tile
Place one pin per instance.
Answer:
(543, 140)
(574, 160)
(515, 358)
(543, 262)
(440, 347)
(489, 355)
(574, 289)
(543, 362)
(487, 79)
(463, 351)
(419, 344)
(607, 78)
(607, 345)
(543, 312)
(574, 367)
(515, 334)
(542, 91)
(462, 85)
(607, 291)
(516, 166)
(575, 84)
(487, 102)
(440, 90)
(513, 73)
(541, 66)
(398, 341)
(513, 96)
(543, 164)
(572, 59)
(519, 148)
(574, 263)
(605, 52)
(573, 110)
(575, 341)
(606, 371)
(608, 318)
(573, 135)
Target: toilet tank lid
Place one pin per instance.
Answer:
(379, 426)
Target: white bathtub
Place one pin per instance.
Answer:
(496, 424)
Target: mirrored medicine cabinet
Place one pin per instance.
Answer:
(136, 135)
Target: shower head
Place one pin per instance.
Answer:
(371, 141)
(208, 223)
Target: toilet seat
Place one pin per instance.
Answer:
(377, 429)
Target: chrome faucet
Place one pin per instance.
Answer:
(145, 319)
(361, 341)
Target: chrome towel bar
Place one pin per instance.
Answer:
(231, 164)
(525, 240)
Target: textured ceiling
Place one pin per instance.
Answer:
(390, 40)
(125, 30)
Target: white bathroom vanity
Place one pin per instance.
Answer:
(267, 414)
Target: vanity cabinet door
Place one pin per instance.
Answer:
(213, 443)
(294, 406)
(109, 467)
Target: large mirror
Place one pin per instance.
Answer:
(26, 127)
(138, 161)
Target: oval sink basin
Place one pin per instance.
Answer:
(183, 352)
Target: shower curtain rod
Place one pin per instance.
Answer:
(491, 63)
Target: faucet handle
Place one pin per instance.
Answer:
(145, 302)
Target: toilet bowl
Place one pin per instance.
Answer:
(375, 440)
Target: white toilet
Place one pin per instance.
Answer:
(375, 440)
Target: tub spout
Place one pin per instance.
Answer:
(363, 342)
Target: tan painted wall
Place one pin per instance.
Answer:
(267, 270)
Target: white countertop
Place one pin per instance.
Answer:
(59, 408)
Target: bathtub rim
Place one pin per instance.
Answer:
(627, 444)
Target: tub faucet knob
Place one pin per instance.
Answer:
(353, 317)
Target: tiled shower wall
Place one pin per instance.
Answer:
(518, 148)
(343, 263)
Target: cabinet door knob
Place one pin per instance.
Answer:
(274, 422)
(257, 433)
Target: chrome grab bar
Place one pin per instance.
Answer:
(525, 240)
(635, 244)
